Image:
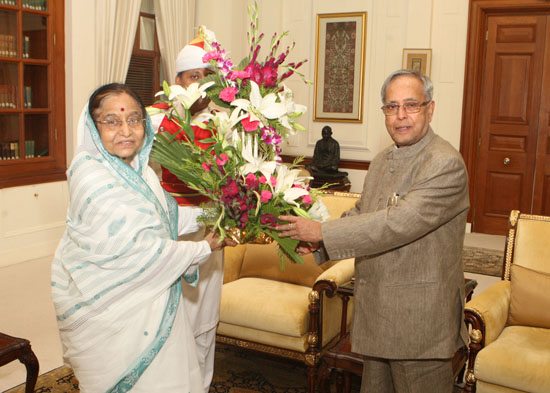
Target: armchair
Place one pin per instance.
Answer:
(510, 321)
(291, 313)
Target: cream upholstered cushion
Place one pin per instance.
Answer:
(268, 305)
(531, 245)
(527, 370)
(529, 298)
(275, 313)
(262, 261)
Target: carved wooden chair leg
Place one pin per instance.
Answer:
(339, 381)
(31, 364)
(12, 348)
(311, 378)
(323, 380)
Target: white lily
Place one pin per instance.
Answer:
(319, 211)
(188, 96)
(226, 123)
(293, 110)
(255, 161)
(286, 179)
(259, 106)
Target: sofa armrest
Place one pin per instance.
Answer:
(340, 273)
(486, 314)
(492, 307)
(233, 260)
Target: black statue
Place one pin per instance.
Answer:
(326, 156)
(324, 167)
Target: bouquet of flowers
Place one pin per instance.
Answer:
(240, 171)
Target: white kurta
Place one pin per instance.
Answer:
(202, 302)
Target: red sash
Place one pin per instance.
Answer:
(184, 195)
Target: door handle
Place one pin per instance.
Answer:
(506, 161)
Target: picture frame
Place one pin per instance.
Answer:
(339, 67)
(418, 60)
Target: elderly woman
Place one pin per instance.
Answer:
(116, 273)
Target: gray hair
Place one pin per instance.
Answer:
(427, 84)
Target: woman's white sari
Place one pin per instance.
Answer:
(116, 275)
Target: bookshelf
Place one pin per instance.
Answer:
(32, 92)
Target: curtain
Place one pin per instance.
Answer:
(175, 20)
(115, 40)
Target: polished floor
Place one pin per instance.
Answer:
(26, 309)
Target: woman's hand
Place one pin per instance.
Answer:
(305, 248)
(215, 243)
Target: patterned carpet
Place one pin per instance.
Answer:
(236, 371)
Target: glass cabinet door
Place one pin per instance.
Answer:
(32, 101)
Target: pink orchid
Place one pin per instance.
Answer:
(265, 196)
(228, 94)
(263, 179)
(222, 159)
(206, 167)
(212, 55)
(238, 74)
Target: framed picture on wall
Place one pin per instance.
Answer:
(339, 67)
(418, 60)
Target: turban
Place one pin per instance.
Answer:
(190, 57)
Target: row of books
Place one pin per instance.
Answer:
(40, 5)
(8, 46)
(8, 96)
(10, 150)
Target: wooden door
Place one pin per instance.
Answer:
(505, 138)
(509, 119)
(541, 194)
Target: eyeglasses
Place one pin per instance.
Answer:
(115, 124)
(408, 107)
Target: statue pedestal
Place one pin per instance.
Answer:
(337, 182)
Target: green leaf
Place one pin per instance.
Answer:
(287, 246)
(300, 212)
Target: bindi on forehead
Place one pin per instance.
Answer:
(122, 109)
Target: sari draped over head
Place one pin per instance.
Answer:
(116, 273)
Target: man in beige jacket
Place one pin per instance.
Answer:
(406, 233)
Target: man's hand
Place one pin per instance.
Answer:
(300, 228)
